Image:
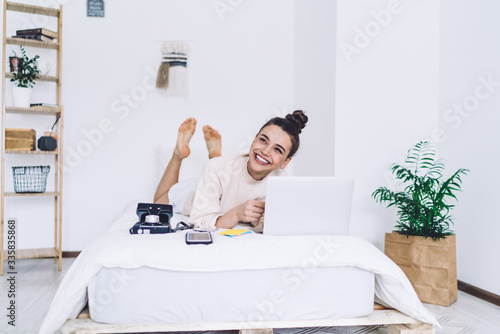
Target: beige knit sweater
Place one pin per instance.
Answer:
(223, 185)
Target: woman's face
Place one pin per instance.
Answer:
(269, 151)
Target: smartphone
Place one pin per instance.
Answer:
(198, 237)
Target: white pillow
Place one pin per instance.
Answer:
(191, 166)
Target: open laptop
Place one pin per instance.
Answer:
(297, 205)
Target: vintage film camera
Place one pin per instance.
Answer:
(153, 219)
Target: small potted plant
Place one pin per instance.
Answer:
(24, 80)
(423, 244)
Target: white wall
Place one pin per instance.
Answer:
(240, 72)
(386, 96)
(314, 84)
(470, 51)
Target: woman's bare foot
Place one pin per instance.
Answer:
(186, 131)
(214, 142)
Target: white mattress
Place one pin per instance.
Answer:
(151, 295)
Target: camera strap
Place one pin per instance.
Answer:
(182, 226)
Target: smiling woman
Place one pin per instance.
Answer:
(231, 189)
(269, 151)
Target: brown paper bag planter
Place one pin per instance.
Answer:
(423, 245)
(430, 265)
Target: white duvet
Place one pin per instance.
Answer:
(118, 248)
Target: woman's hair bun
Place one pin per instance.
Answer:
(299, 118)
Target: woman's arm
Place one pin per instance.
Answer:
(221, 179)
(206, 206)
(250, 212)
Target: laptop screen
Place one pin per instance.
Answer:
(297, 205)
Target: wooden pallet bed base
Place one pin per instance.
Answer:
(398, 323)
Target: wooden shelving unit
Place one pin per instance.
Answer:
(33, 111)
(31, 152)
(37, 253)
(56, 251)
(31, 9)
(41, 78)
(33, 43)
(44, 194)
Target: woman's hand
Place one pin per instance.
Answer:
(249, 212)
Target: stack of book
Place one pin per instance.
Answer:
(39, 34)
(44, 105)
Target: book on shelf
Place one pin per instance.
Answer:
(45, 105)
(35, 37)
(37, 31)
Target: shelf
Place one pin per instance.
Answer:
(19, 7)
(35, 253)
(47, 193)
(31, 152)
(28, 13)
(48, 78)
(32, 42)
(33, 111)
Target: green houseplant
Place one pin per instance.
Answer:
(423, 245)
(423, 206)
(24, 80)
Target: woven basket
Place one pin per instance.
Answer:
(30, 179)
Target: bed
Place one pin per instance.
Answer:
(139, 283)
(228, 296)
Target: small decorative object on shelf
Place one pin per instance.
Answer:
(24, 80)
(20, 139)
(15, 63)
(30, 179)
(45, 67)
(48, 142)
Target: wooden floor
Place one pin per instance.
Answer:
(38, 280)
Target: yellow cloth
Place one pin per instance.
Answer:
(234, 232)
